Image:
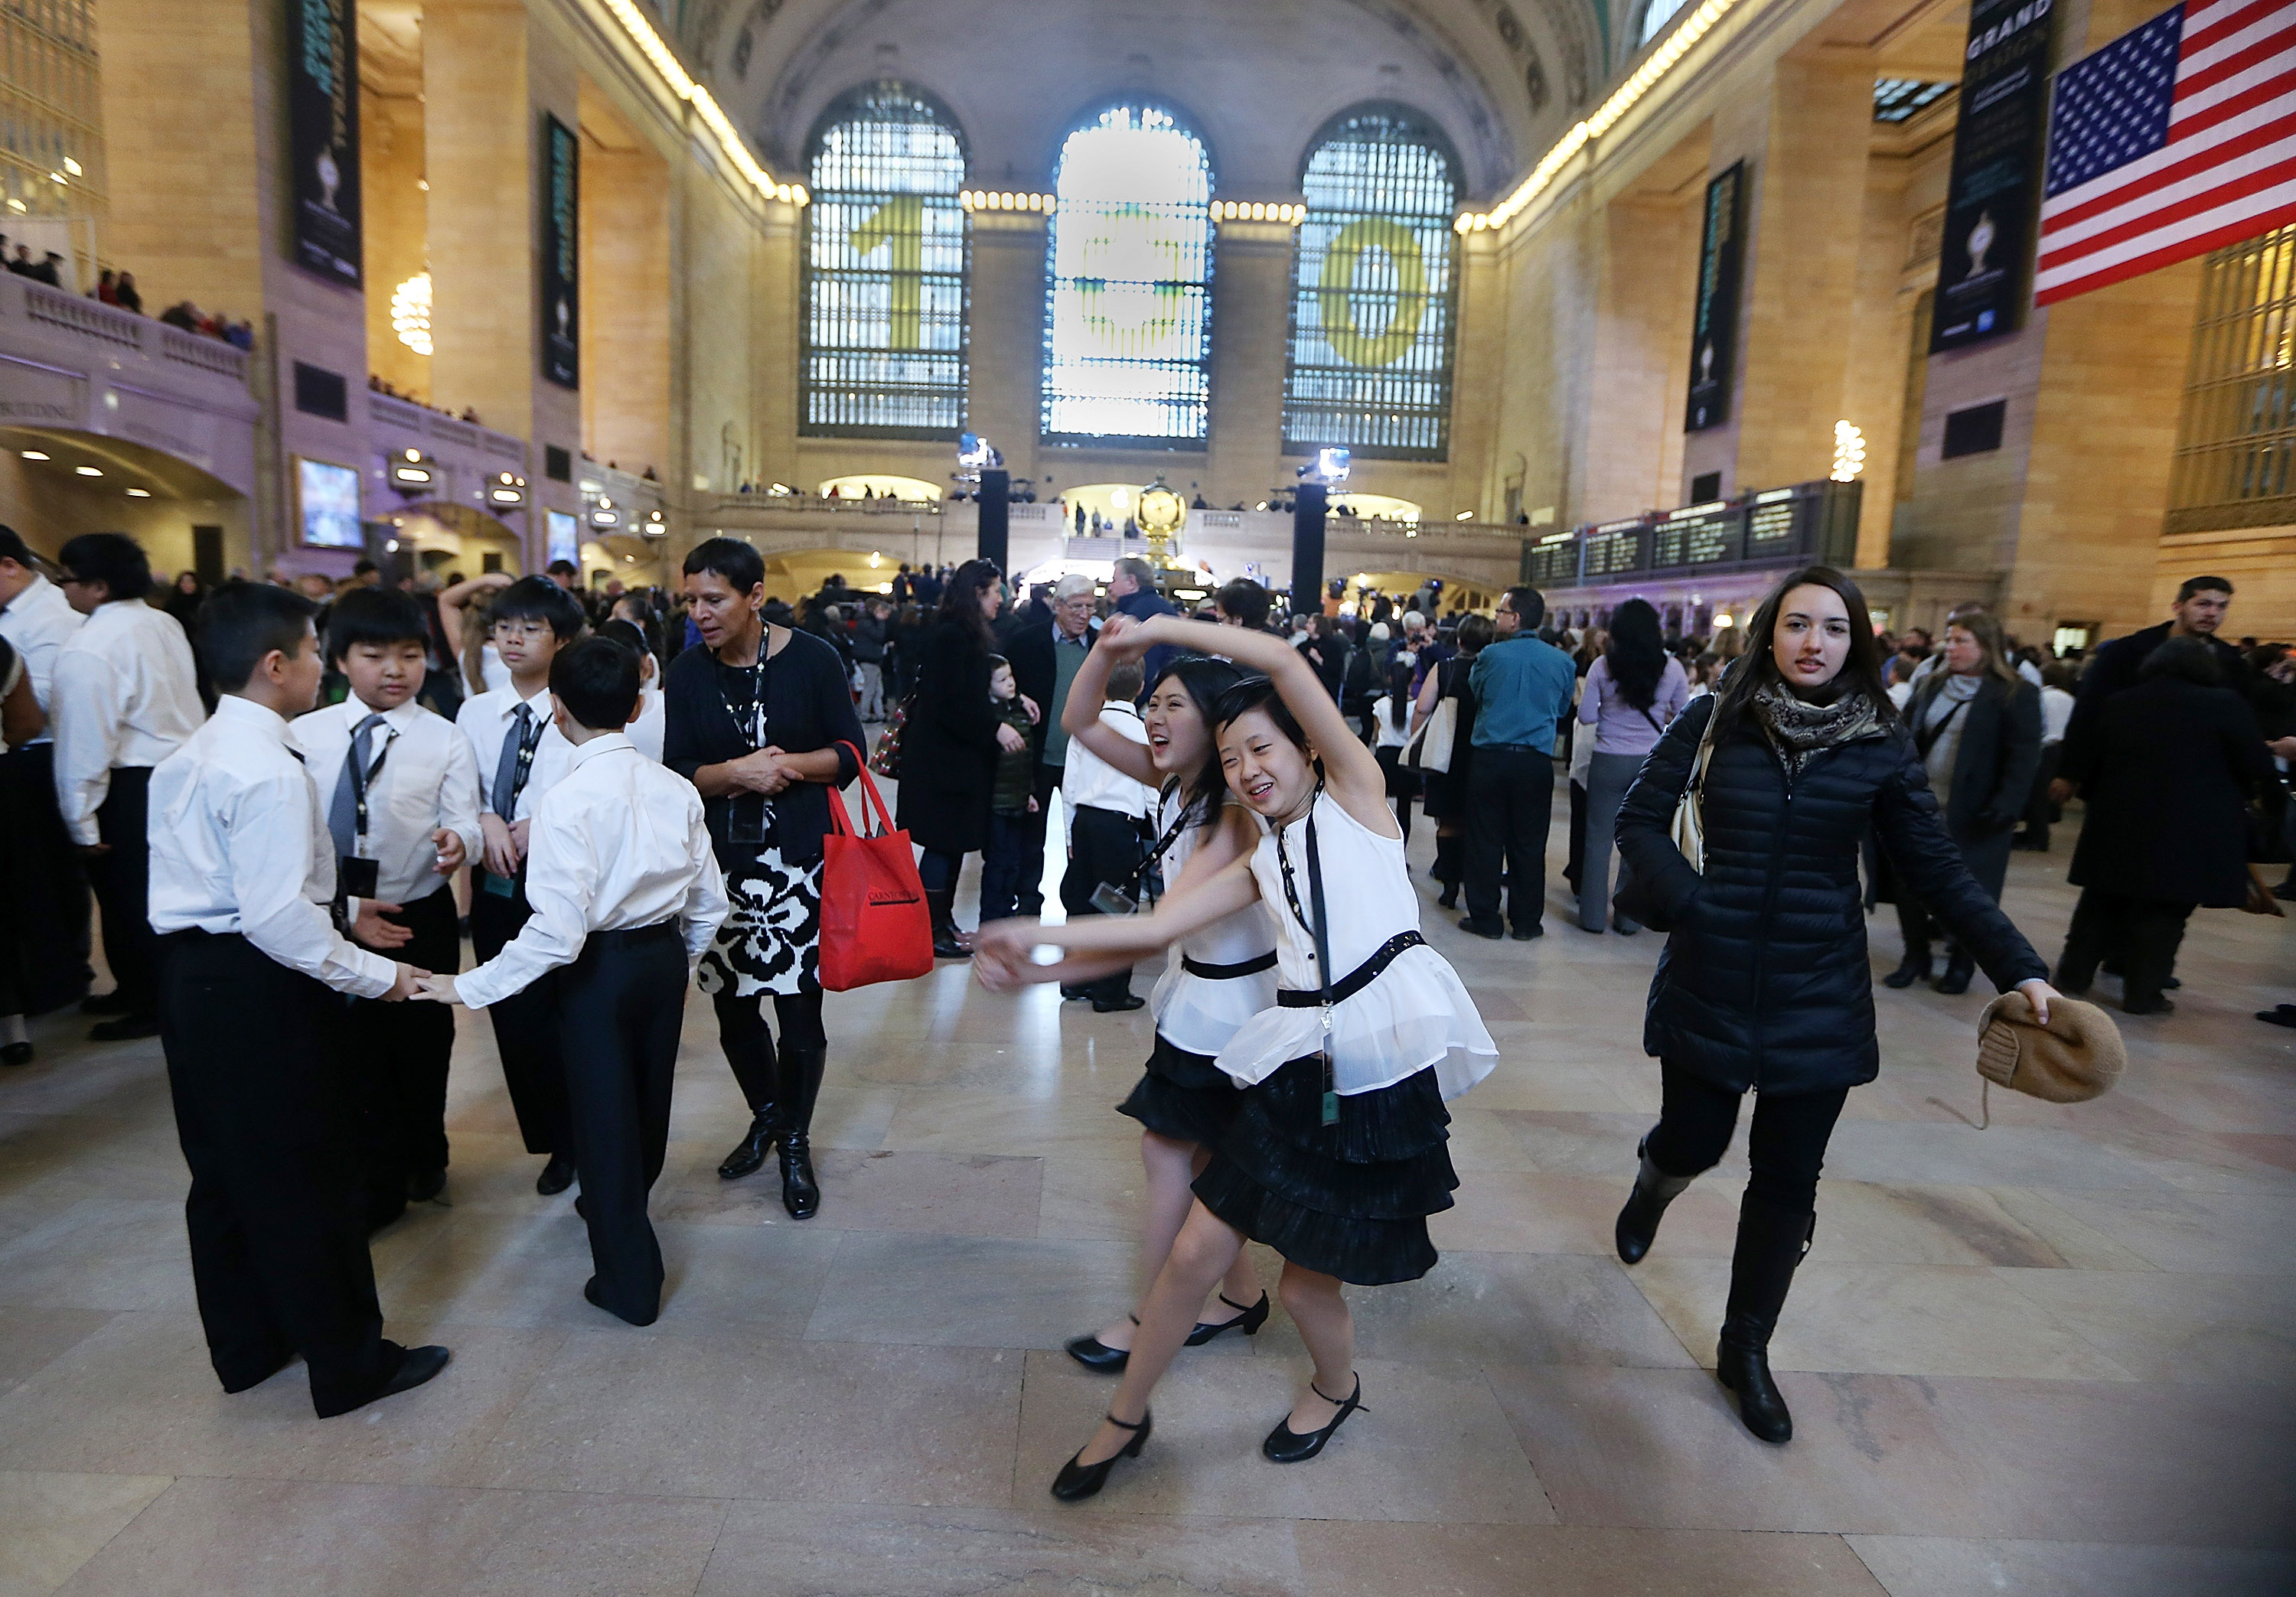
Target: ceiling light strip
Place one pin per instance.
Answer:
(681, 83)
(1693, 26)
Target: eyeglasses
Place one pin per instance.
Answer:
(525, 632)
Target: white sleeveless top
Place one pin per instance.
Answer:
(1198, 1014)
(1414, 1014)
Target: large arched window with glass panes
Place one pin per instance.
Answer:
(1374, 300)
(1128, 307)
(885, 269)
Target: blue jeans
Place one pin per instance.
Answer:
(1005, 863)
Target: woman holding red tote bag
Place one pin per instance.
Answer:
(874, 924)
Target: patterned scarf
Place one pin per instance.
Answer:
(1799, 729)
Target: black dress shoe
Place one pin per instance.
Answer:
(423, 1185)
(556, 1176)
(1956, 980)
(1076, 1481)
(418, 1365)
(2159, 1006)
(1117, 1006)
(127, 1029)
(1494, 930)
(1286, 1445)
(15, 1053)
(590, 1296)
(2285, 1015)
(1097, 1356)
(113, 1003)
(1911, 970)
(1523, 933)
(1248, 1321)
(749, 1155)
(1448, 898)
(1072, 990)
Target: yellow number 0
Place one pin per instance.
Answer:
(1401, 245)
(897, 227)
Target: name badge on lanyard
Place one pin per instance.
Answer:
(358, 875)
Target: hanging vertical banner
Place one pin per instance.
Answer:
(1997, 139)
(1714, 324)
(561, 292)
(323, 136)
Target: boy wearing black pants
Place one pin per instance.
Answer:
(626, 896)
(401, 788)
(1108, 822)
(519, 756)
(240, 868)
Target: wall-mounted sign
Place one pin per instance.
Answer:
(1714, 324)
(561, 293)
(1997, 138)
(327, 505)
(323, 136)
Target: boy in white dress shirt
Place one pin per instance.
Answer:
(45, 890)
(400, 788)
(520, 754)
(627, 896)
(241, 871)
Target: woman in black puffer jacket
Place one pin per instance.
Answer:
(1765, 984)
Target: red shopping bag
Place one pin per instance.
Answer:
(873, 925)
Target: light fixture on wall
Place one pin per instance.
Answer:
(139, 493)
(410, 313)
(35, 455)
(89, 471)
(1849, 452)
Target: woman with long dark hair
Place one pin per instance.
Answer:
(1632, 691)
(1764, 986)
(948, 746)
(1444, 793)
(1978, 725)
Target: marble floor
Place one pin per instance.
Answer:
(2051, 1357)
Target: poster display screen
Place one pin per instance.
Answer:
(327, 505)
(565, 537)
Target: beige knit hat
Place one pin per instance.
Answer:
(2072, 1060)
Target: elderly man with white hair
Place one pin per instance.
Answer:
(1045, 660)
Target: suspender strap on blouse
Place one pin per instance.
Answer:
(1356, 980)
(1250, 967)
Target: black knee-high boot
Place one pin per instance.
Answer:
(1771, 1243)
(940, 906)
(1654, 1189)
(1446, 869)
(799, 1085)
(751, 1056)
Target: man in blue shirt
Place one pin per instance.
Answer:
(1522, 690)
(1132, 592)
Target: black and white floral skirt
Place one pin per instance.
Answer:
(771, 941)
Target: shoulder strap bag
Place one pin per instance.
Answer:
(874, 924)
(1633, 899)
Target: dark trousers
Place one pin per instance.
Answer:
(1510, 799)
(2039, 812)
(1103, 846)
(396, 1055)
(619, 1007)
(748, 1044)
(1577, 864)
(1785, 1145)
(525, 1023)
(1005, 863)
(266, 1117)
(937, 870)
(43, 892)
(2144, 933)
(122, 879)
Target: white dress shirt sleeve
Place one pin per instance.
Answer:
(269, 830)
(87, 697)
(458, 796)
(563, 873)
(706, 907)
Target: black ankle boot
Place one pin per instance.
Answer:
(940, 905)
(800, 1084)
(1958, 969)
(1771, 1243)
(1447, 871)
(749, 1155)
(1915, 968)
(1654, 1189)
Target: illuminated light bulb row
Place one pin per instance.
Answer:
(1661, 61)
(1240, 211)
(410, 313)
(1849, 452)
(681, 83)
(992, 200)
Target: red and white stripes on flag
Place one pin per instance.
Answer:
(2130, 189)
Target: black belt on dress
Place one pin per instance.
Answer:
(1356, 980)
(1250, 967)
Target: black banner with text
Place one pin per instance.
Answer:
(1714, 325)
(561, 292)
(323, 136)
(1998, 137)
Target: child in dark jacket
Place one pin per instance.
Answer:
(1013, 802)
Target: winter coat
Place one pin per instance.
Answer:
(1765, 981)
(949, 744)
(2166, 777)
(1993, 767)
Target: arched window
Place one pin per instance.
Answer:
(885, 270)
(1656, 15)
(1374, 296)
(1127, 312)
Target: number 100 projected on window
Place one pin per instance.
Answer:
(1128, 310)
(885, 270)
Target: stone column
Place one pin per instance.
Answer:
(1251, 322)
(1006, 349)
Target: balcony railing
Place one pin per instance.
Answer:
(123, 330)
(1812, 521)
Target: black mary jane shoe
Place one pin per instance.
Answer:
(1286, 1445)
(1248, 1321)
(1098, 1356)
(1076, 1481)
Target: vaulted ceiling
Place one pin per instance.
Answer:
(1255, 77)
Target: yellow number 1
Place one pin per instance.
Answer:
(898, 226)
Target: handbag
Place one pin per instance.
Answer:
(874, 924)
(1431, 749)
(1633, 899)
(886, 762)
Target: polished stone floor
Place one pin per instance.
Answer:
(2052, 1357)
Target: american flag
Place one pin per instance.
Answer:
(2175, 139)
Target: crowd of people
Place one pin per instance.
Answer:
(118, 288)
(292, 807)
